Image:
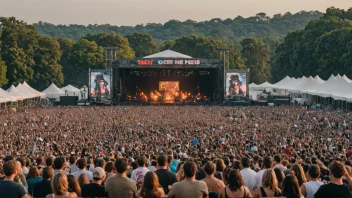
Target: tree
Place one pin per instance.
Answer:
(142, 44)
(19, 42)
(113, 40)
(169, 44)
(257, 56)
(66, 46)
(47, 69)
(83, 55)
(3, 69)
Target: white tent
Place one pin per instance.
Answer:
(53, 92)
(328, 87)
(282, 82)
(304, 83)
(5, 95)
(252, 85)
(319, 80)
(33, 90)
(168, 54)
(70, 90)
(344, 91)
(346, 78)
(265, 85)
(16, 93)
(26, 91)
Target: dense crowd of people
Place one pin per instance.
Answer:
(175, 151)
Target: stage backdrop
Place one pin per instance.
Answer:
(236, 83)
(100, 83)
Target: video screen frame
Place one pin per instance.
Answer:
(105, 78)
(236, 83)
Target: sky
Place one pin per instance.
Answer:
(133, 12)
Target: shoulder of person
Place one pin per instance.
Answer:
(72, 195)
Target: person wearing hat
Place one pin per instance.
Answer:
(95, 189)
(101, 88)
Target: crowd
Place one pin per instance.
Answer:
(197, 151)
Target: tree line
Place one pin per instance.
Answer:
(323, 47)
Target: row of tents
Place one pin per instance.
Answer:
(23, 91)
(337, 87)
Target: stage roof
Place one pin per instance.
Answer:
(168, 54)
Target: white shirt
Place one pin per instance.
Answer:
(91, 168)
(312, 187)
(259, 178)
(248, 176)
(281, 167)
(138, 174)
(74, 168)
(80, 172)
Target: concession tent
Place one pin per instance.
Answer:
(319, 80)
(70, 90)
(53, 92)
(6, 96)
(252, 86)
(24, 84)
(347, 79)
(26, 91)
(13, 91)
(265, 85)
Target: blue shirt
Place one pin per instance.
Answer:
(172, 168)
(31, 182)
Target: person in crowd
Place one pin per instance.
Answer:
(83, 179)
(279, 176)
(267, 165)
(220, 167)
(73, 166)
(43, 188)
(33, 177)
(235, 186)
(1, 169)
(189, 187)
(269, 187)
(73, 185)
(120, 186)
(59, 165)
(151, 187)
(248, 175)
(290, 187)
(278, 164)
(95, 189)
(152, 166)
(138, 174)
(9, 188)
(309, 188)
(23, 162)
(180, 174)
(59, 186)
(165, 177)
(40, 164)
(214, 184)
(109, 169)
(49, 161)
(82, 164)
(297, 171)
(172, 167)
(335, 188)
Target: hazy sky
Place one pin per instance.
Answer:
(132, 12)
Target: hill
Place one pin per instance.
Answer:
(230, 30)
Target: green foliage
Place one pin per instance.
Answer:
(321, 48)
(47, 68)
(83, 55)
(205, 47)
(113, 40)
(142, 44)
(257, 56)
(227, 30)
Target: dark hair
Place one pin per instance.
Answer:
(234, 180)
(189, 168)
(47, 173)
(100, 163)
(22, 161)
(220, 165)
(209, 168)
(9, 158)
(179, 166)
(121, 165)
(337, 169)
(279, 176)
(9, 167)
(109, 167)
(290, 187)
(162, 160)
(277, 158)
(169, 159)
(72, 159)
(49, 161)
(39, 161)
(82, 163)
(267, 162)
(73, 185)
(150, 185)
(314, 171)
(245, 162)
(141, 161)
(59, 162)
(154, 163)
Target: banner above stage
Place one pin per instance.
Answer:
(150, 62)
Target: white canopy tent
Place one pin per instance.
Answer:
(53, 92)
(319, 80)
(5, 95)
(346, 79)
(70, 90)
(265, 85)
(26, 92)
(24, 84)
(13, 91)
